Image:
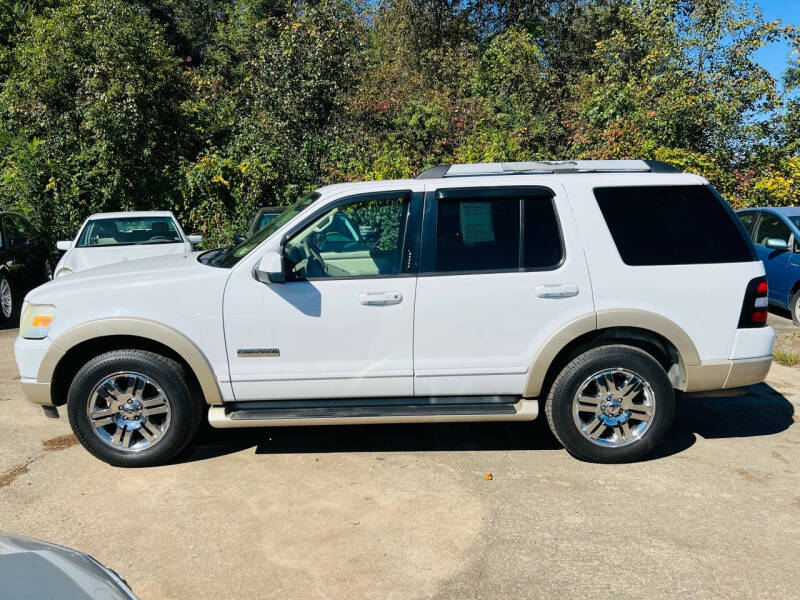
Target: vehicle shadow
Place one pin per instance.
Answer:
(762, 411)
(781, 312)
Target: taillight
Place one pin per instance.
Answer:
(755, 306)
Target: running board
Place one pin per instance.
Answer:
(261, 414)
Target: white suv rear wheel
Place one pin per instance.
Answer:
(611, 404)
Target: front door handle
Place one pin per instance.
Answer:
(558, 290)
(380, 298)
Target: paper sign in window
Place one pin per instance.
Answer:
(476, 222)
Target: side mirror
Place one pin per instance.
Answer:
(238, 239)
(270, 269)
(64, 245)
(195, 239)
(776, 244)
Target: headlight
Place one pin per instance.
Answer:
(36, 321)
(63, 271)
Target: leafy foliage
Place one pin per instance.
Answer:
(213, 108)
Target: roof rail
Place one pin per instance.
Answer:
(548, 167)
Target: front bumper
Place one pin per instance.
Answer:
(38, 393)
(29, 355)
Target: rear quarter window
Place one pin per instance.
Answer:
(673, 225)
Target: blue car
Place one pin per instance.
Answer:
(776, 235)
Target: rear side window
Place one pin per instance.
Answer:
(477, 234)
(747, 219)
(492, 232)
(673, 225)
(541, 234)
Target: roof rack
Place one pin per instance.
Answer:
(548, 167)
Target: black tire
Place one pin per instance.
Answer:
(186, 412)
(5, 283)
(794, 308)
(559, 405)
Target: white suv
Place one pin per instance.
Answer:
(472, 293)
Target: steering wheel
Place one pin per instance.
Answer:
(159, 238)
(313, 254)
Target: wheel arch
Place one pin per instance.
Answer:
(660, 337)
(72, 349)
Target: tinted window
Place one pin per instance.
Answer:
(477, 234)
(22, 226)
(13, 231)
(672, 225)
(542, 239)
(747, 219)
(482, 233)
(361, 239)
(770, 226)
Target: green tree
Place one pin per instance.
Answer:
(96, 85)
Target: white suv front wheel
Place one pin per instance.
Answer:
(611, 404)
(132, 408)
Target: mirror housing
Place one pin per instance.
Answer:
(64, 245)
(238, 239)
(194, 238)
(270, 268)
(776, 244)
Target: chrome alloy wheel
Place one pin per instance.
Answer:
(614, 407)
(6, 302)
(129, 411)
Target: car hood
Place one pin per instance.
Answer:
(79, 259)
(159, 271)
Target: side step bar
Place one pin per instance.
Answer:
(380, 410)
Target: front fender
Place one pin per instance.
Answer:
(136, 327)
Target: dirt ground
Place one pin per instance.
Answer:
(408, 512)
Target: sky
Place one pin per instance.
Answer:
(774, 56)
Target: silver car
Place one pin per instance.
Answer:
(34, 569)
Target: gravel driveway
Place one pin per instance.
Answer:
(408, 511)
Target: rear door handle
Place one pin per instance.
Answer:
(558, 290)
(380, 298)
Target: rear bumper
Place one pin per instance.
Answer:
(748, 371)
(727, 374)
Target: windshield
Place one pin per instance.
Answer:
(234, 254)
(795, 220)
(129, 231)
(266, 218)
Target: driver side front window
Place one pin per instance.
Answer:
(362, 238)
